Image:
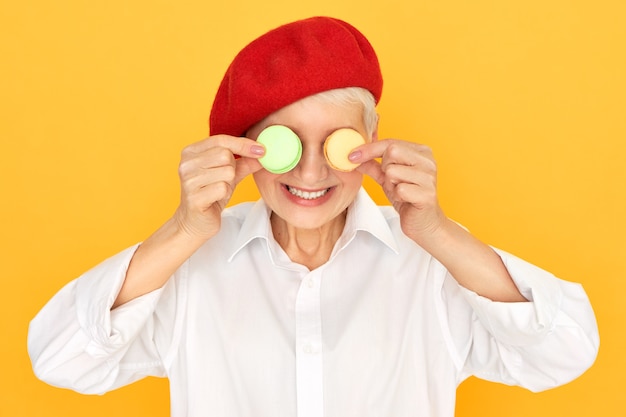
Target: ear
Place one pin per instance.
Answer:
(375, 132)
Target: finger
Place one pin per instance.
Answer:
(381, 149)
(393, 151)
(415, 195)
(196, 170)
(372, 169)
(193, 163)
(245, 167)
(398, 174)
(197, 163)
(204, 197)
(204, 177)
(369, 151)
(409, 154)
(236, 145)
(202, 171)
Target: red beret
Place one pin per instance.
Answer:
(289, 63)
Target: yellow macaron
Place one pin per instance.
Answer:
(338, 146)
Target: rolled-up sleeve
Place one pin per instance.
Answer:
(76, 341)
(540, 344)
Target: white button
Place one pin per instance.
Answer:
(310, 349)
(310, 283)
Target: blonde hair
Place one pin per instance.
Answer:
(350, 96)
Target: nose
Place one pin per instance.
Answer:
(312, 166)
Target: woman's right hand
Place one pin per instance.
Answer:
(209, 172)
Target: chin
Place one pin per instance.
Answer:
(305, 221)
(308, 218)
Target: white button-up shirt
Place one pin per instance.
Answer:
(381, 329)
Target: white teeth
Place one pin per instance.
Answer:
(307, 195)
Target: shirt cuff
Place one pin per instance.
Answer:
(521, 323)
(96, 291)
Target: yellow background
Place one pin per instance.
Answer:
(523, 102)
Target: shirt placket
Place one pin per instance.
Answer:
(309, 371)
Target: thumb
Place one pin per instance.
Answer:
(244, 167)
(372, 168)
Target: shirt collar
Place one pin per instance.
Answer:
(363, 215)
(255, 225)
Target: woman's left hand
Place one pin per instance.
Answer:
(407, 173)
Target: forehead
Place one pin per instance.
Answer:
(312, 116)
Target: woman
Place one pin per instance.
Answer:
(312, 301)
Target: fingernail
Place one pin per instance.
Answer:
(355, 156)
(257, 150)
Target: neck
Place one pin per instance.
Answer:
(309, 247)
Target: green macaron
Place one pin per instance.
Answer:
(283, 149)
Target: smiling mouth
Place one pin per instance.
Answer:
(307, 195)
